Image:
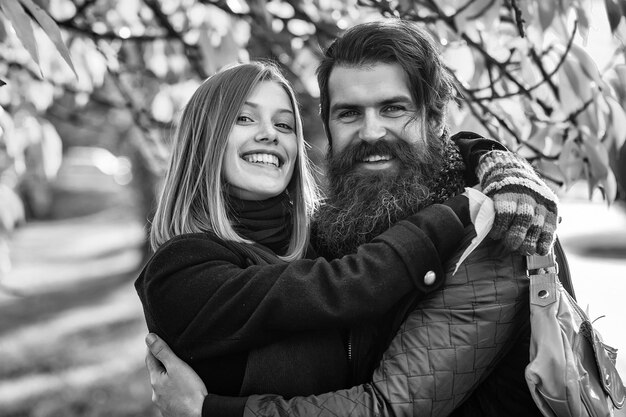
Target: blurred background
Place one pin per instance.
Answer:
(89, 95)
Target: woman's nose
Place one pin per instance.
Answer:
(267, 133)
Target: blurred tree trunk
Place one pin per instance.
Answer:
(145, 183)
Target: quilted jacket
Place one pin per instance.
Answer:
(441, 352)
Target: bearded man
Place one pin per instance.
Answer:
(384, 92)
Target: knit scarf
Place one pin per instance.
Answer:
(267, 222)
(449, 181)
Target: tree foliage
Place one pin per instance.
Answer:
(523, 76)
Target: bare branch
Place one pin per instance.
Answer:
(527, 90)
(324, 28)
(80, 10)
(72, 26)
(153, 149)
(519, 18)
(193, 53)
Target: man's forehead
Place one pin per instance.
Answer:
(371, 83)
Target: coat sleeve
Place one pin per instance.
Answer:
(199, 298)
(440, 354)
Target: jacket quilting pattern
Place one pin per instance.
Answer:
(442, 351)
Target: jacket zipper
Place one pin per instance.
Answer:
(350, 348)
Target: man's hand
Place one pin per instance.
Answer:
(176, 388)
(526, 208)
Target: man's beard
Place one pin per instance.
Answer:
(362, 204)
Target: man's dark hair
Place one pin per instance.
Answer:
(392, 41)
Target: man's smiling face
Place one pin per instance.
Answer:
(369, 105)
(382, 163)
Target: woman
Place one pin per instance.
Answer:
(229, 287)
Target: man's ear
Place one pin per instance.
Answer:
(438, 126)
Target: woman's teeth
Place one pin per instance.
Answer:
(262, 158)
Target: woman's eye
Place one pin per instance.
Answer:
(243, 119)
(284, 127)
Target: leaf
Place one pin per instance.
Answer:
(583, 11)
(598, 161)
(571, 161)
(52, 30)
(538, 139)
(12, 209)
(616, 78)
(547, 140)
(479, 68)
(569, 99)
(608, 186)
(622, 4)
(3, 31)
(546, 13)
(550, 171)
(489, 16)
(618, 122)
(614, 13)
(587, 64)
(589, 118)
(207, 52)
(21, 23)
(528, 70)
(579, 82)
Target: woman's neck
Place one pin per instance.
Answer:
(267, 222)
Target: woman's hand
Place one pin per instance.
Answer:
(177, 390)
(526, 208)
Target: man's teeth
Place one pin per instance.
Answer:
(262, 158)
(376, 158)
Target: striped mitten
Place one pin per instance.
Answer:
(526, 208)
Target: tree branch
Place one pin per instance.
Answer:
(193, 53)
(519, 18)
(527, 90)
(72, 26)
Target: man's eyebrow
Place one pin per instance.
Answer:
(342, 106)
(396, 99)
(390, 100)
(256, 106)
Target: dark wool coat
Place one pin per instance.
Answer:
(217, 309)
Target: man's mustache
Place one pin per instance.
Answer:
(359, 151)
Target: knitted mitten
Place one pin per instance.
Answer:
(526, 209)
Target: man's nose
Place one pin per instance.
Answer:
(372, 128)
(267, 133)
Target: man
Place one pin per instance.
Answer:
(383, 97)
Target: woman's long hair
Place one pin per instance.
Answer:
(194, 198)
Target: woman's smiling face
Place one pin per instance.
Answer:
(262, 146)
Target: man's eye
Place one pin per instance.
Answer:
(394, 109)
(348, 114)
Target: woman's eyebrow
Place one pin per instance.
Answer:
(256, 106)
